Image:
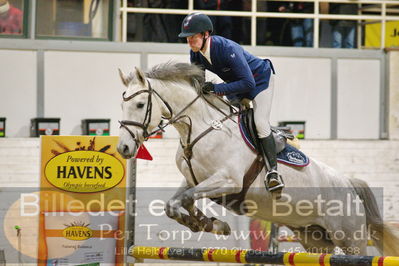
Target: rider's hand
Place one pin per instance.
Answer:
(208, 87)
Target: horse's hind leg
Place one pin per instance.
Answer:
(350, 243)
(350, 234)
(354, 247)
(314, 239)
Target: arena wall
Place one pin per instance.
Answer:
(394, 95)
(338, 93)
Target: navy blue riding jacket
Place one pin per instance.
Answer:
(245, 75)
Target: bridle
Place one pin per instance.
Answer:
(188, 146)
(147, 119)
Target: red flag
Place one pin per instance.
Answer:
(143, 153)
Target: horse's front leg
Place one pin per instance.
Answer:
(173, 210)
(218, 185)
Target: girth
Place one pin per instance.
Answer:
(234, 201)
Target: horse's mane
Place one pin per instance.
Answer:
(172, 71)
(193, 74)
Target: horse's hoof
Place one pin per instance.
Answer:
(278, 193)
(194, 230)
(227, 232)
(221, 228)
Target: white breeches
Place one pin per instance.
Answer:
(262, 105)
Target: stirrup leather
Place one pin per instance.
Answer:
(273, 184)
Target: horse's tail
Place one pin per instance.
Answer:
(384, 235)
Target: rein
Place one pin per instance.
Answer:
(188, 148)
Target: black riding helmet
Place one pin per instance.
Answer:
(195, 23)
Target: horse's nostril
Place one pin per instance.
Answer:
(125, 149)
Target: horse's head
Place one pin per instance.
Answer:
(141, 113)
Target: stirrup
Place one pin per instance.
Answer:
(273, 183)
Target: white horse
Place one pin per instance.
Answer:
(324, 208)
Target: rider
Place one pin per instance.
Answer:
(245, 76)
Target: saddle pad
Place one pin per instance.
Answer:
(289, 156)
(292, 156)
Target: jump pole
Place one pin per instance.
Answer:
(293, 239)
(254, 256)
(131, 221)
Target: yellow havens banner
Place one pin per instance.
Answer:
(373, 34)
(82, 201)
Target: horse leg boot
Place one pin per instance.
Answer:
(273, 180)
(202, 221)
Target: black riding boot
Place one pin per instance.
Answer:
(273, 180)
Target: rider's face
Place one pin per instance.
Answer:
(195, 42)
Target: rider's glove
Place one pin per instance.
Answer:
(208, 87)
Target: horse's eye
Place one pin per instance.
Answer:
(140, 105)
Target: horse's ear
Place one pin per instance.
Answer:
(140, 76)
(124, 78)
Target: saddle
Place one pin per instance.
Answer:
(249, 133)
(286, 153)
